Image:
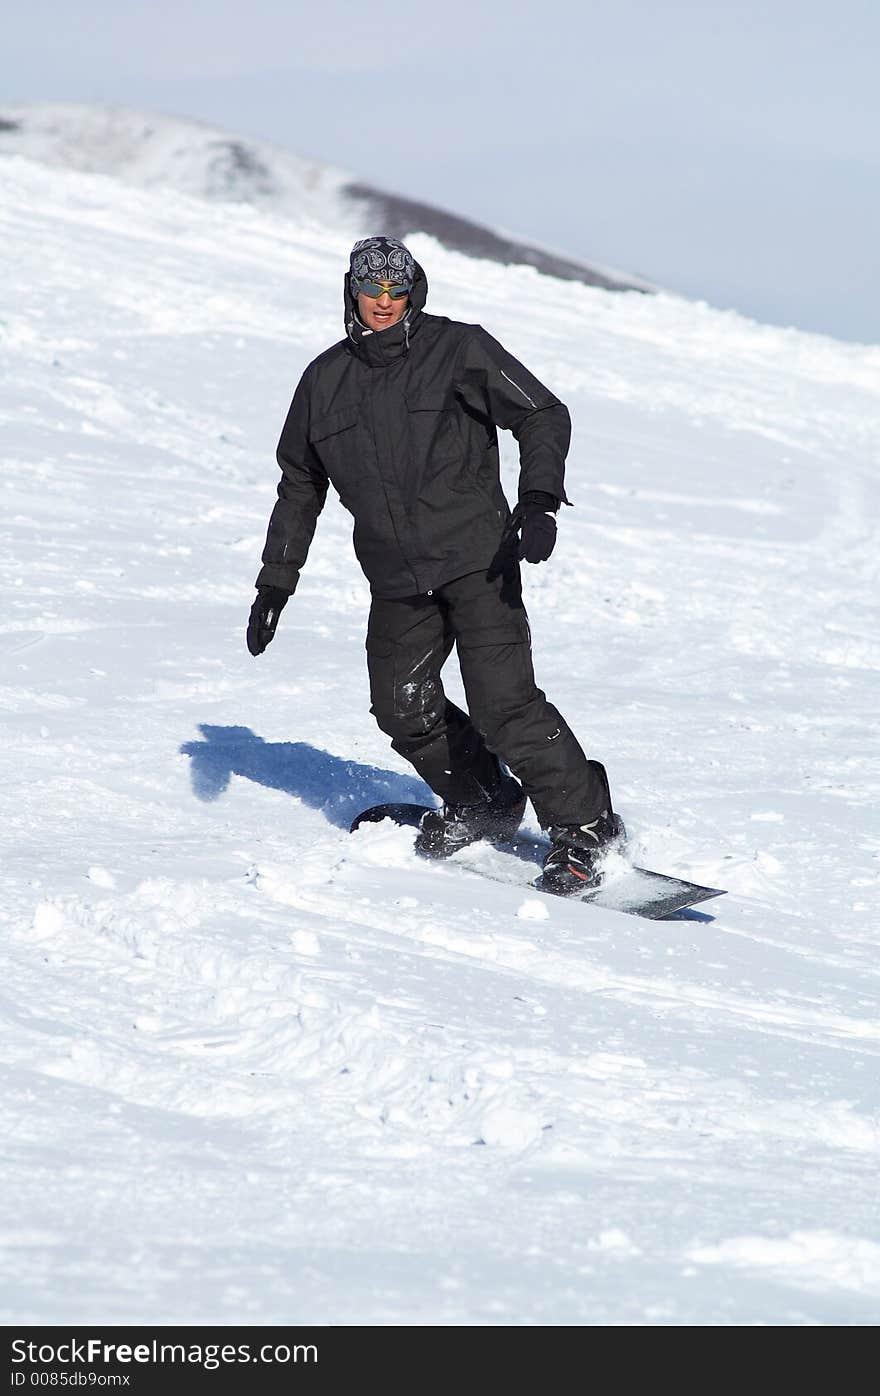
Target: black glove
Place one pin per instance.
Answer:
(534, 522)
(265, 611)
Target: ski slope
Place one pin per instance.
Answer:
(255, 1070)
(157, 151)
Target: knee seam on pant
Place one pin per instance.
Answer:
(406, 726)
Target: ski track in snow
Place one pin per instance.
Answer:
(256, 1070)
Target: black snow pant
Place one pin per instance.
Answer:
(409, 640)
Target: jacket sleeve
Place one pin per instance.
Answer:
(301, 494)
(492, 382)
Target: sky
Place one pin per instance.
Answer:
(727, 151)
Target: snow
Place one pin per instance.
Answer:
(257, 1070)
(153, 150)
(157, 151)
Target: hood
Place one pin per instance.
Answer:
(382, 346)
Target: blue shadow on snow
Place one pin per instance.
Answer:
(340, 789)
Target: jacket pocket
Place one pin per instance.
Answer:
(433, 429)
(332, 424)
(334, 439)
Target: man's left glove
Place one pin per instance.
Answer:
(534, 522)
(265, 611)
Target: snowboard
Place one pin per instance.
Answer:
(636, 891)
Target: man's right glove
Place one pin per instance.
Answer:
(265, 611)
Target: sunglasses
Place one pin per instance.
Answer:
(375, 289)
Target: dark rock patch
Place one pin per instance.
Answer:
(401, 217)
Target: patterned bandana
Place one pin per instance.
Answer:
(381, 259)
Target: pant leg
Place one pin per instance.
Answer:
(513, 715)
(408, 641)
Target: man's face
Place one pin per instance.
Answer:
(377, 313)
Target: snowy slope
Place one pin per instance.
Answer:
(256, 1070)
(164, 152)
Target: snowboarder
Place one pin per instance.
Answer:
(401, 416)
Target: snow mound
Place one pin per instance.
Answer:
(156, 151)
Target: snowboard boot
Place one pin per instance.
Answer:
(444, 831)
(573, 863)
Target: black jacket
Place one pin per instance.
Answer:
(403, 423)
